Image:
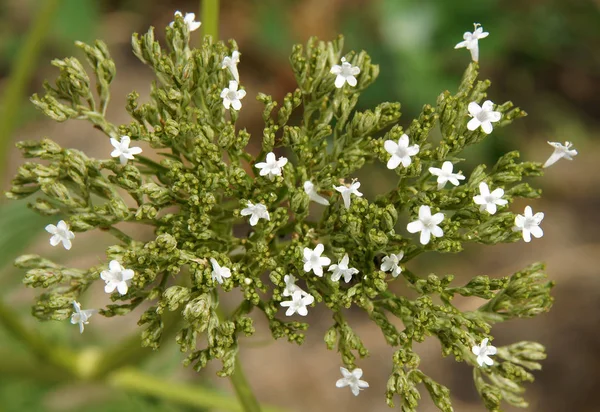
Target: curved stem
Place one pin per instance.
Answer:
(210, 18)
(242, 388)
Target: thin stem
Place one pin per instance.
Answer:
(210, 18)
(242, 388)
(21, 72)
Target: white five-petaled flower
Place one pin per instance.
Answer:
(560, 152)
(231, 64)
(313, 260)
(347, 190)
(232, 96)
(290, 286)
(81, 317)
(483, 353)
(342, 269)
(489, 201)
(309, 189)
(471, 41)
(122, 149)
(218, 272)
(60, 233)
(298, 304)
(352, 379)
(345, 74)
(401, 152)
(483, 116)
(392, 263)
(271, 167)
(116, 277)
(445, 175)
(529, 224)
(189, 20)
(258, 211)
(427, 225)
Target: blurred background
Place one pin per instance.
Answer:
(544, 55)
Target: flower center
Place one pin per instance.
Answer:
(346, 70)
(530, 223)
(483, 116)
(232, 95)
(428, 223)
(490, 199)
(314, 260)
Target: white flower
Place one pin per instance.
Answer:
(401, 152)
(445, 175)
(346, 191)
(471, 41)
(231, 96)
(122, 149)
(313, 260)
(487, 200)
(483, 353)
(81, 316)
(483, 116)
(529, 224)
(392, 263)
(189, 20)
(560, 152)
(271, 167)
(116, 277)
(342, 269)
(427, 224)
(258, 211)
(218, 272)
(352, 379)
(231, 63)
(345, 73)
(60, 233)
(290, 286)
(298, 304)
(309, 189)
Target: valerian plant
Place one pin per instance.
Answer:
(224, 218)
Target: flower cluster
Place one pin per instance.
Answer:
(224, 219)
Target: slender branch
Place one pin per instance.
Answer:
(21, 72)
(243, 389)
(210, 18)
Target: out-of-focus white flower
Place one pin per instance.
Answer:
(257, 211)
(189, 20)
(427, 224)
(218, 272)
(483, 353)
(445, 175)
(313, 260)
(81, 317)
(232, 96)
(392, 263)
(346, 191)
(231, 64)
(529, 224)
(311, 191)
(122, 149)
(298, 304)
(489, 201)
(352, 379)
(345, 74)
(60, 233)
(117, 277)
(342, 269)
(271, 167)
(560, 152)
(401, 152)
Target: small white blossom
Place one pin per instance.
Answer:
(352, 379)
(271, 167)
(231, 64)
(529, 224)
(258, 211)
(392, 263)
(483, 353)
(347, 190)
(60, 233)
(232, 96)
(189, 20)
(309, 189)
(483, 116)
(445, 175)
(290, 286)
(313, 260)
(122, 149)
(560, 152)
(81, 317)
(116, 277)
(401, 152)
(298, 304)
(345, 74)
(218, 272)
(427, 225)
(342, 269)
(471, 41)
(489, 201)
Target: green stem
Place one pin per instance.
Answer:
(21, 72)
(210, 18)
(242, 388)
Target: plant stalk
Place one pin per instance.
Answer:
(242, 388)
(210, 18)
